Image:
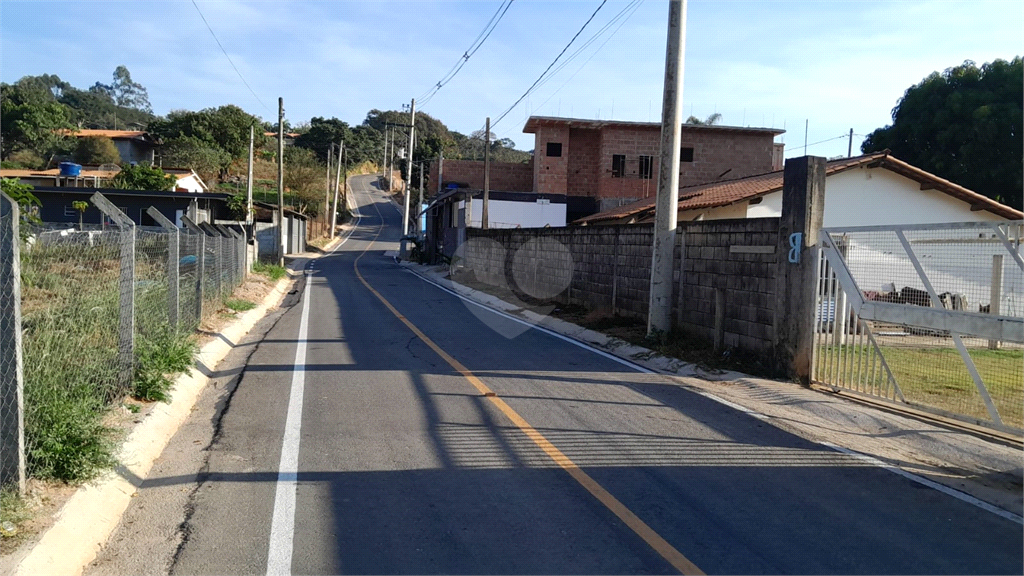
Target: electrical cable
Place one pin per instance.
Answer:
(477, 43)
(548, 69)
(229, 57)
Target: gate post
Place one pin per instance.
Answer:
(803, 206)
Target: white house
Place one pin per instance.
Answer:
(874, 189)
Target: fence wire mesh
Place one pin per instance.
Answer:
(92, 300)
(966, 269)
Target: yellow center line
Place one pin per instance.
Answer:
(652, 538)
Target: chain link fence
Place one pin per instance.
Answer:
(96, 304)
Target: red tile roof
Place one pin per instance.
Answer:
(727, 192)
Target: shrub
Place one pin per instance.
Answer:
(96, 150)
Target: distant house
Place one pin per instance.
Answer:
(603, 164)
(99, 177)
(289, 137)
(874, 189)
(57, 205)
(132, 145)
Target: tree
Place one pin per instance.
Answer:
(709, 121)
(143, 177)
(207, 160)
(22, 195)
(964, 125)
(33, 121)
(304, 179)
(125, 92)
(97, 150)
(224, 127)
(81, 206)
(321, 133)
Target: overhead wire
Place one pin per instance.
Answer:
(242, 78)
(477, 43)
(553, 62)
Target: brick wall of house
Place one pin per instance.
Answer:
(584, 150)
(607, 268)
(550, 173)
(505, 176)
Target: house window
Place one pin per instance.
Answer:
(69, 211)
(646, 167)
(686, 154)
(554, 149)
(618, 165)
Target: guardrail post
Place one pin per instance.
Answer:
(126, 323)
(173, 265)
(12, 397)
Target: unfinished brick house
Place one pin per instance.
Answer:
(603, 164)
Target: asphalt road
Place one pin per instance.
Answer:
(429, 436)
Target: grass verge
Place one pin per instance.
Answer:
(272, 271)
(238, 304)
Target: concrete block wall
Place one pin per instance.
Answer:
(747, 281)
(608, 268)
(505, 176)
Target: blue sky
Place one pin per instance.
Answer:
(838, 65)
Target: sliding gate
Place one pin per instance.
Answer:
(925, 315)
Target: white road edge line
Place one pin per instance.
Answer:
(962, 496)
(282, 527)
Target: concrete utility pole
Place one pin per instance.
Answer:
(659, 317)
(248, 184)
(334, 211)
(327, 196)
(487, 174)
(440, 171)
(849, 148)
(280, 182)
(408, 163)
(419, 207)
(384, 161)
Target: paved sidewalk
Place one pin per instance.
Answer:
(987, 470)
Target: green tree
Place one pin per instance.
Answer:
(81, 206)
(23, 197)
(711, 120)
(965, 125)
(31, 121)
(304, 179)
(323, 132)
(206, 159)
(143, 177)
(97, 150)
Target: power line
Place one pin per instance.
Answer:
(477, 43)
(553, 62)
(229, 57)
(634, 5)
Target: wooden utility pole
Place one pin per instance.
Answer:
(280, 182)
(408, 163)
(659, 317)
(487, 174)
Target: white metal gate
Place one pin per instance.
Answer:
(925, 315)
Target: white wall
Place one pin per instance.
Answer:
(876, 196)
(189, 183)
(507, 214)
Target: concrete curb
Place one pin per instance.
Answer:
(90, 516)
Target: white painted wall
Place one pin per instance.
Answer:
(876, 196)
(507, 214)
(190, 183)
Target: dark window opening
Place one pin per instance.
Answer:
(686, 155)
(646, 167)
(554, 149)
(618, 165)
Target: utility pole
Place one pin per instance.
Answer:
(384, 161)
(807, 124)
(248, 184)
(659, 317)
(334, 211)
(327, 197)
(440, 171)
(280, 182)
(419, 207)
(849, 148)
(408, 163)
(487, 174)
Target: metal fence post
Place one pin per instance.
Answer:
(200, 264)
(126, 324)
(12, 398)
(173, 256)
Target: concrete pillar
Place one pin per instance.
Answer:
(803, 206)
